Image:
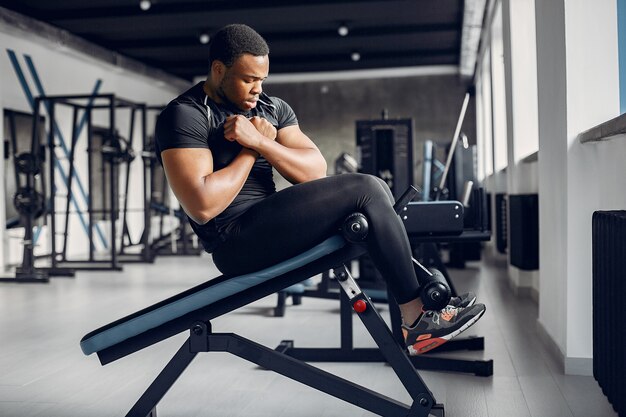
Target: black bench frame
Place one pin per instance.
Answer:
(202, 339)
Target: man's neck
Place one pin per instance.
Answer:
(211, 92)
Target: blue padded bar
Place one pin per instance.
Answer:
(154, 318)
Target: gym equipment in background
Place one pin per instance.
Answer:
(384, 149)
(27, 207)
(99, 209)
(346, 352)
(455, 138)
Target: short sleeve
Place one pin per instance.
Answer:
(284, 113)
(181, 126)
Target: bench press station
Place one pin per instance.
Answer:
(192, 311)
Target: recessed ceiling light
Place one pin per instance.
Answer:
(343, 30)
(355, 56)
(204, 38)
(145, 5)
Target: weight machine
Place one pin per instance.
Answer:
(27, 155)
(109, 155)
(428, 223)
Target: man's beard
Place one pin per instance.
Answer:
(222, 94)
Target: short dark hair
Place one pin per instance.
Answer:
(232, 41)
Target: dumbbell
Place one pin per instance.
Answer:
(435, 292)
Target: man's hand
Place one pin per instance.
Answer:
(264, 127)
(248, 133)
(238, 128)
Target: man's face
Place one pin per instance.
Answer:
(241, 83)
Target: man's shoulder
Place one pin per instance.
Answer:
(183, 110)
(276, 105)
(271, 101)
(189, 101)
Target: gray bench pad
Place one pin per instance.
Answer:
(109, 335)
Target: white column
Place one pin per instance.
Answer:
(3, 220)
(592, 98)
(577, 89)
(520, 61)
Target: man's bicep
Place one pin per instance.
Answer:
(293, 137)
(186, 169)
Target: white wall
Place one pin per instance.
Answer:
(551, 82)
(593, 98)
(577, 89)
(64, 71)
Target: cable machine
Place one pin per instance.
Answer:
(95, 202)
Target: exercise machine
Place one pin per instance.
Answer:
(29, 193)
(95, 203)
(193, 310)
(427, 224)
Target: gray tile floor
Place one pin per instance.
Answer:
(43, 373)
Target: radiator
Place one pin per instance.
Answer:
(609, 305)
(524, 231)
(502, 233)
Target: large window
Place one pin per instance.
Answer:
(524, 78)
(621, 34)
(500, 158)
(486, 122)
(480, 131)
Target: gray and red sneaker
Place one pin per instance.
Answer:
(464, 300)
(434, 328)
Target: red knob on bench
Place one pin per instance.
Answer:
(359, 306)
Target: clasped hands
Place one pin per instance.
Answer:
(249, 133)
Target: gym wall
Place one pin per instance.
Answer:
(327, 110)
(30, 65)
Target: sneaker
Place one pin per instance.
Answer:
(464, 300)
(434, 328)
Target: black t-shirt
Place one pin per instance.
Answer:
(192, 120)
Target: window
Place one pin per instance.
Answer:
(485, 81)
(621, 42)
(500, 159)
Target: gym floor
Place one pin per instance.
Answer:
(44, 373)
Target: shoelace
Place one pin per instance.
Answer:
(447, 310)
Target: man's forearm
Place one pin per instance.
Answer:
(295, 164)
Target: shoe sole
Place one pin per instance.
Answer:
(429, 344)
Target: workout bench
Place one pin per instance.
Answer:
(192, 311)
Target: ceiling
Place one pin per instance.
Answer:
(302, 34)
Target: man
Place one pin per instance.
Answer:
(218, 143)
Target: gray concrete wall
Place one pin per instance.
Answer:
(327, 110)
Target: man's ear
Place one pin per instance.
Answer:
(218, 68)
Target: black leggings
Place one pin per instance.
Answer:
(297, 218)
